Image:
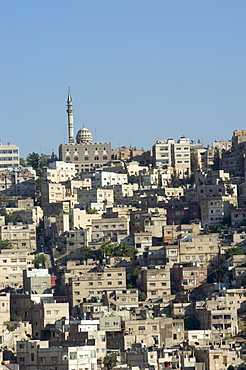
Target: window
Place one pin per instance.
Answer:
(73, 355)
(141, 328)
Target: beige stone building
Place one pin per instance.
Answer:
(156, 331)
(18, 181)
(95, 198)
(59, 171)
(187, 276)
(36, 281)
(119, 299)
(155, 282)
(35, 355)
(219, 316)
(45, 314)
(215, 209)
(9, 156)
(113, 228)
(199, 248)
(124, 190)
(52, 192)
(93, 283)
(21, 236)
(219, 356)
(12, 264)
(169, 154)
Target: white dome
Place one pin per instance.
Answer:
(84, 136)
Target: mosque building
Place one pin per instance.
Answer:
(85, 154)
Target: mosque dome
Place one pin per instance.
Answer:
(84, 136)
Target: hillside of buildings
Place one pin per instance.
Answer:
(123, 259)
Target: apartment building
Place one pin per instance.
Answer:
(119, 299)
(59, 171)
(52, 193)
(39, 354)
(219, 356)
(219, 316)
(95, 198)
(168, 153)
(155, 282)
(9, 156)
(20, 236)
(18, 181)
(103, 178)
(154, 332)
(156, 255)
(72, 241)
(113, 228)
(93, 283)
(215, 209)
(202, 249)
(187, 277)
(12, 264)
(43, 315)
(124, 191)
(36, 281)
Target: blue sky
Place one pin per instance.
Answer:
(138, 70)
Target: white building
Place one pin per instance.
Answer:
(169, 154)
(59, 171)
(104, 178)
(9, 156)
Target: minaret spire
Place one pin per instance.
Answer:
(70, 117)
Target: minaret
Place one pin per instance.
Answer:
(70, 118)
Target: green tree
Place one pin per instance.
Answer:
(233, 251)
(132, 279)
(5, 244)
(39, 183)
(109, 361)
(33, 160)
(141, 295)
(40, 261)
(86, 253)
(92, 211)
(118, 249)
(10, 217)
(22, 162)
